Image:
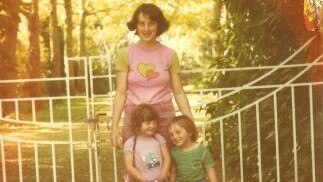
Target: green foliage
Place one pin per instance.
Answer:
(254, 34)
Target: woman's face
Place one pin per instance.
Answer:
(146, 29)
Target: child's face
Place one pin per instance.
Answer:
(179, 136)
(148, 128)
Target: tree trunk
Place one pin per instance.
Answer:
(293, 11)
(56, 59)
(33, 58)
(295, 14)
(69, 28)
(69, 42)
(33, 89)
(9, 21)
(82, 48)
(82, 29)
(218, 48)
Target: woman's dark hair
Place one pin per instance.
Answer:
(154, 13)
(140, 114)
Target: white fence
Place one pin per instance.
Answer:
(57, 142)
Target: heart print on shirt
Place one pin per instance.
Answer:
(147, 70)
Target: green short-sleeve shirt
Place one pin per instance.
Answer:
(191, 165)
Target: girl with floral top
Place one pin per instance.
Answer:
(146, 155)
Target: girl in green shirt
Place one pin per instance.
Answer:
(191, 161)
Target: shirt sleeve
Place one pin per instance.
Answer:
(128, 146)
(175, 66)
(207, 158)
(121, 63)
(172, 155)
(160, 139)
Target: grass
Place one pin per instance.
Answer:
(47, 135)
(81, 153)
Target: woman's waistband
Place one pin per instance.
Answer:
(155, 105)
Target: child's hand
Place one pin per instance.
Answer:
(143, 179)
(162, 176)
(157, 180)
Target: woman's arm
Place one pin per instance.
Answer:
(179, 95)
(128, 161)
(166, 162)
(172, 174)
(118, 105)
(211, 173)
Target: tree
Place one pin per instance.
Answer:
(294, 12)
(218, 48)
(33, 58)
(9, 20)
(82, 43)
(69, 42)
(56, 51)
(256, 33)
(83, 25)
(69, 28)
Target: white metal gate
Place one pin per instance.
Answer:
(56, 138)
(62, 140)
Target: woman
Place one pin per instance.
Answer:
(147, 72)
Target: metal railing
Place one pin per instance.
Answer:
(54, 143)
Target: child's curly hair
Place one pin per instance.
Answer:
(140, 114)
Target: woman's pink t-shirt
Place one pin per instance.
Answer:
(148, 73)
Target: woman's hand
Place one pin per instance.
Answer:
(118, 106)
(115, 137)
(179, 95)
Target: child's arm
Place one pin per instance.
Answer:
(128, 161)
(166, 162)
(211, 173)
(172, 174)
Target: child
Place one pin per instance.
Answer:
(190, 159)
(146, 155)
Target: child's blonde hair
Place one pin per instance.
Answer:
(140, 114)
(188, 124)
